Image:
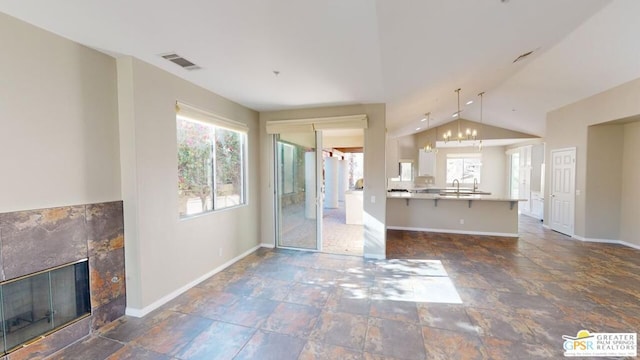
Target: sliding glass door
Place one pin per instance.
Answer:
(298, 190)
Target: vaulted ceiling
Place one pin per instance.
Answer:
(409, 54)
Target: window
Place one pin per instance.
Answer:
(406, 170)
(355, 167)
(211, 166)
(463, 167)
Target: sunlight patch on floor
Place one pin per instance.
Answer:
(423, 281)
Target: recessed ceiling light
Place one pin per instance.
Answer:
(423, 119)
(418, 129)
(454, 114)
(469, 102)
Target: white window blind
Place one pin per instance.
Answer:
(317, 124)
(191, 113)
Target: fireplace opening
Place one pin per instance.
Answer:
(39, 303)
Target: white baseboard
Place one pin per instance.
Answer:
(531, 215)
(607, 241)
(265, 245)
(546, 226)
(449, 231)
(374, 256)
(165, 299)
(631, 245)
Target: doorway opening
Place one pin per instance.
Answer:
(343, 176)
(319, 193)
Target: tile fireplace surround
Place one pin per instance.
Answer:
(36, 240)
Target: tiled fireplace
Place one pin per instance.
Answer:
(59, 248)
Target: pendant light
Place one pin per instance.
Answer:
(458, 114)
(481, 123)
(469, 134)
(430, 147)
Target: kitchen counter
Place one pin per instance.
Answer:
(353, 207)
(463, 214)
(451, 196)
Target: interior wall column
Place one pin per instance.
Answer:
(331, 183)
(343, 179)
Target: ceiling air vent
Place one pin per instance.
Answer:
(182, 62)
(523, 56)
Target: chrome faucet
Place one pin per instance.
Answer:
(456, 181)
(475, 184)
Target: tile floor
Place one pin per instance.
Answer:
(338, 237)
(477, 298)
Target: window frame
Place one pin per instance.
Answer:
(463, 157)
(214, 124)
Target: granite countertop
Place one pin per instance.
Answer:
(426, 196)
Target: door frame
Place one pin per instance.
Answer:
(572, 214)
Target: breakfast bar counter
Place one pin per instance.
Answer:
(461, 213)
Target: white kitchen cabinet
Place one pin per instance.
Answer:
(426, 163)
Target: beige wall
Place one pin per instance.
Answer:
(407, 148)
(537, 159)
(567, 127)
(164, 254)
(58, 121)
(343, 141)
(492, 175)
(604, 181)
(484, 132)
(391, 157)
(630, 202)
(374, 171)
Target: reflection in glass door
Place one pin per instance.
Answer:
(297, 193)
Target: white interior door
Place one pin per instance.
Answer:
(563, 183)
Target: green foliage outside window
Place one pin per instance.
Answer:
(199, 144)
(228, 158)
(194, 160)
